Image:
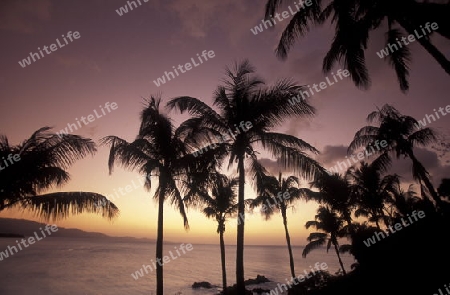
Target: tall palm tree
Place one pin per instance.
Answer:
(277, 195)
(331, 227)
(245, 100)
(401, 134)
(159, 151)
(218, 196)
(353, 21)
(42, 163)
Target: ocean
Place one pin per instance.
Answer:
(56, 266)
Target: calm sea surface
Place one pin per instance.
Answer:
(56, 266)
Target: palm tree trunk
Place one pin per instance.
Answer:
(375, 216)
(288, 241)
(377, 224)
(159, 243)
(420, 169)
(222, 257)
(436, 54)
(385, 218)
(348, 219)
(426, 43)
(338, 255)
(240, 285)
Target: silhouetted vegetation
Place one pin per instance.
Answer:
(354, 20)
(352, 206)
(41, 163)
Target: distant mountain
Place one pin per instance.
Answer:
(21, 227)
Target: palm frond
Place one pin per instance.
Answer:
(313, 245)
(399, 59)
(61, 205)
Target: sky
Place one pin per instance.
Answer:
(116, 59)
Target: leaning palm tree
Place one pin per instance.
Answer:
(354, 20)
(39, 164)
(277, 195)
(245, 100)
(157, 151)
(401, 135)
(331, 227)
(218, 195)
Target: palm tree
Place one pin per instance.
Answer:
(279, 195)
(372, 192)
(401, 202)
(401, 135)
(353, 21)
(335, 192)
(244, 99)
(220, 202)
(40, 163)
(331, 227)
(158, 150)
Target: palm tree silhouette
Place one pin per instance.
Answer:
(334, 192)
(243, 99)
(353, 21)
(218, 195)
(401, 202)
(331, 227)
(279, 194)
(372, 192)
(43, 161)
(401, 134)
(158, 150)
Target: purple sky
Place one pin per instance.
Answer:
(117, 58)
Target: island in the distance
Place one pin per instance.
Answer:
(21, 228)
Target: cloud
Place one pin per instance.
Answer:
(23, 16)
(298, 125)
(271, 165)
(331, 154)
(429, 159)
(232, 18)
(403, 167)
